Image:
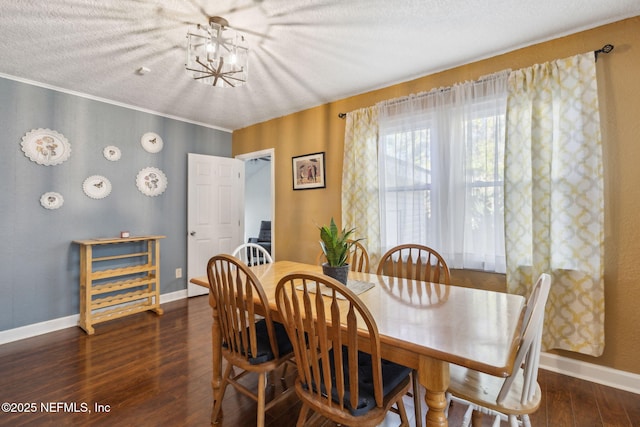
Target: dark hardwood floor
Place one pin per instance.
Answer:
(155, 370)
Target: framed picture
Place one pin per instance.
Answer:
(308, 171)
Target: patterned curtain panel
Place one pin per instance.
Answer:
(360, 200)
(554, 203)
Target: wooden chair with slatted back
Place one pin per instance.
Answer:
(252, 346)
(337, 378)
(252, 254)
(416, 262)
(358, 257)
(515, 397)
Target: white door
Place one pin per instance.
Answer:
(215, 217)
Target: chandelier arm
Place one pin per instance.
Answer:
(227, 81)
(207, 72)
(228, 75)
(217, 72)
(206, 66)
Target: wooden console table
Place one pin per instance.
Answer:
(118, 278)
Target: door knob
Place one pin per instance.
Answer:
(193, 233)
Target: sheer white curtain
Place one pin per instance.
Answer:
(441, 172)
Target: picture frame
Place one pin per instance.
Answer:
(308, 171)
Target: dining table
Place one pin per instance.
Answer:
(424, 326)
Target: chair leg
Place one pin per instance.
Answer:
(449, 401)
(417, 402)
(303, 415)
(524, 421)
(271, 380)
(262, 378)
(217, 406)
(466, 420)
(404, 422)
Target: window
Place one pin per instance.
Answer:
(441, 175)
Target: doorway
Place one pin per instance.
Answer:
(259, 197)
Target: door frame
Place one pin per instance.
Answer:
(255, 155)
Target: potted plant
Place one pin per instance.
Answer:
(336, 245)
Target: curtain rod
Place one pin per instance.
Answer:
(607, 48)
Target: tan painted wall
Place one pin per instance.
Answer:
(320, 129)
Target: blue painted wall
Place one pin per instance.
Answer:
(39, 264)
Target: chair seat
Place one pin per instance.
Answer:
(392, 375)
(264, 353)
(482, 389)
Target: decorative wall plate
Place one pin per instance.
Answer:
(96, 187)
(151, 181)
(46, 147)
(51, 200)
(112, 153)
(151, 142)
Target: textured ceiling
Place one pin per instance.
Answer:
(303, 52)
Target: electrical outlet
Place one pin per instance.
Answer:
(178, 273)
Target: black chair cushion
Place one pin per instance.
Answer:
(392, 375)
(264, 353)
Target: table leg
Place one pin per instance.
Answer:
(216, 342)
(434, 376)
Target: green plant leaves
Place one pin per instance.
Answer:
(335, 243)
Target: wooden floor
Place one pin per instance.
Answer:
(149, 370)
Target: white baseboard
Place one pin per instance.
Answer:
(173, 296)
(588, 371)
(36, 329)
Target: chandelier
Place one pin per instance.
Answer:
(217, 55)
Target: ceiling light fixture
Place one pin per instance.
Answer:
(217, 55)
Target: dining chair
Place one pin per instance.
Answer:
(515, 397)
(358, 257)
(252, 346)
(252, 254)
(336, 344)
(415, 262)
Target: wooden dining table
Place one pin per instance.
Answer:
(424, 326)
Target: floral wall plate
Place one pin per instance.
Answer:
(96, 187)
(112, 153)
(51, 200)
(151, 142)
(46, 147)
(151, 181)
